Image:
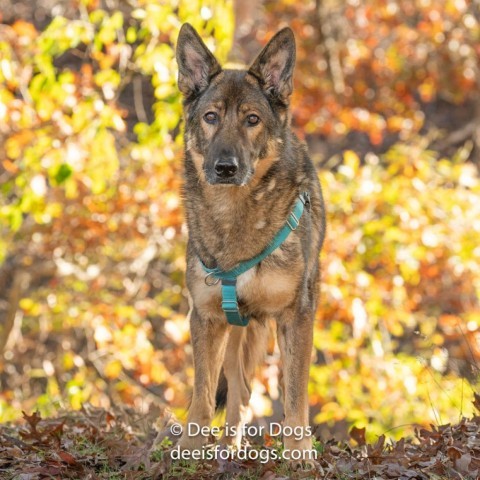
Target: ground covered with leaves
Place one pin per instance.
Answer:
(98, 444)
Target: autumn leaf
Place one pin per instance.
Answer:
(358, 434)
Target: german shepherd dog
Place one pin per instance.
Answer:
(244, 171)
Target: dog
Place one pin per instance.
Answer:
(245, 173)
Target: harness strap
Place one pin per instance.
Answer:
(230, 304)
(229, 278)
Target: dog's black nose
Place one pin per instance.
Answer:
(226, 167)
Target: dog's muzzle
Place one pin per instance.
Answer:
(226, 171)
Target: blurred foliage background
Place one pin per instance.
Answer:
(92, 296)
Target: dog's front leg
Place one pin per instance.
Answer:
(238, 395)
(208, 341)
(295, 339)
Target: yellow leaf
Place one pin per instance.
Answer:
(113, 369)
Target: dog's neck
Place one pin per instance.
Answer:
(231, 224)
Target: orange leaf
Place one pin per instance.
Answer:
(358, 434)
(9, 166)
(67, 458)
(24, 29)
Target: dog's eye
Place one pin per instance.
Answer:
(211, 118)
(253, 120)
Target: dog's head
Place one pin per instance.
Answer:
(235, 118)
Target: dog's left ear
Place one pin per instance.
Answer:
(196, 63)
(274, 65)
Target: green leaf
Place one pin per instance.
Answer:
(64, 171)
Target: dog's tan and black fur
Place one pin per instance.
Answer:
(244, 170)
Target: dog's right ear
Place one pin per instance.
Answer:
(196, 64)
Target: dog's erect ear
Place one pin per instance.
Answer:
(196, 64)
(274, 65)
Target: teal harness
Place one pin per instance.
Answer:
(229, 278)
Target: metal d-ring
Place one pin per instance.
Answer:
(211, 283)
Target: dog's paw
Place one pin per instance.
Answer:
(300, 454)
(191, 443)
(231, 441)
(305, 465)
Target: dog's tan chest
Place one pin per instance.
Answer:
(269, 289)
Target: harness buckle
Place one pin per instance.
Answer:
(210, 282)
(295, 220)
